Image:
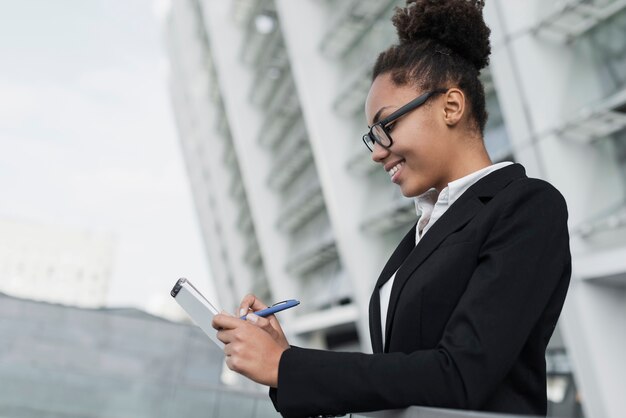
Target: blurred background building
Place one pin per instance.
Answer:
(62, 362)
(54, 263)
(269, 98)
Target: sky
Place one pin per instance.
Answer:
(88, 138)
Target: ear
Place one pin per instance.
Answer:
(453, 106)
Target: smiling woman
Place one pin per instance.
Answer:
(463, 310)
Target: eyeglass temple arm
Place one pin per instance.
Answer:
(410, 106)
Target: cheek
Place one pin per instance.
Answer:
(419, 151)
(407, 139)
(419, 137)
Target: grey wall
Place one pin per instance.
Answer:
(58, 361)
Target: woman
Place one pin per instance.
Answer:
(461, 314)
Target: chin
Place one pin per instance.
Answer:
(413, 190)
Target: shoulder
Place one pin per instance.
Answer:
(530, 204)
(527, 191)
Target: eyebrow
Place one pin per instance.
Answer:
(377, 115)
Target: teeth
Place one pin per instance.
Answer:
(395, 169)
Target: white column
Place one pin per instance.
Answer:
(541, 85)
(245, 122)
(207, 216)
(204, 151)
(318, 81)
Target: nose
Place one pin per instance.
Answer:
(379, 153)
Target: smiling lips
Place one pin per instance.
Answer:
(395, 169)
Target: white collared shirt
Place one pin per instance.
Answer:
(430, 206)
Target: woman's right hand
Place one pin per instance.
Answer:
(250, 304)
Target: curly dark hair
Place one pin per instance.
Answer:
(442, 43)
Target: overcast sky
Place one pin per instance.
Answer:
(87, 137)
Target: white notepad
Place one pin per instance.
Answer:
(197, 307)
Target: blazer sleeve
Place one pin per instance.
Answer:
(521, 263)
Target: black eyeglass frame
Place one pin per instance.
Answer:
(412, 105)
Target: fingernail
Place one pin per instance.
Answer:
(242, 311)
(252, 318)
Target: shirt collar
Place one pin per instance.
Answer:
(457, 187)
(426, 201)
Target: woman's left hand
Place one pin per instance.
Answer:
(249, 350)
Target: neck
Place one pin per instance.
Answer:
(468, 160)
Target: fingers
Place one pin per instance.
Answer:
(225, 321)
(230, 329)
(266, 323)
(226, 337)
(250, 303)
(275, 324)
(263, 323)
(252, 353)
(271, 326)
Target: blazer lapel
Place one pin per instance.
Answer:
(376, 333)
(455, 218)
(397, 258)
(399, 255)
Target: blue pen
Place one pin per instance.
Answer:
(277, 307)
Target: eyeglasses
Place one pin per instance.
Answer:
(380, 133)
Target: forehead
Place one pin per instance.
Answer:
(385, 93)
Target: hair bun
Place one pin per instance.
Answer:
(456, 24)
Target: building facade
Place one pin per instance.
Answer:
(269, 99)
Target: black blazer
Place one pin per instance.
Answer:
(471, 311)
